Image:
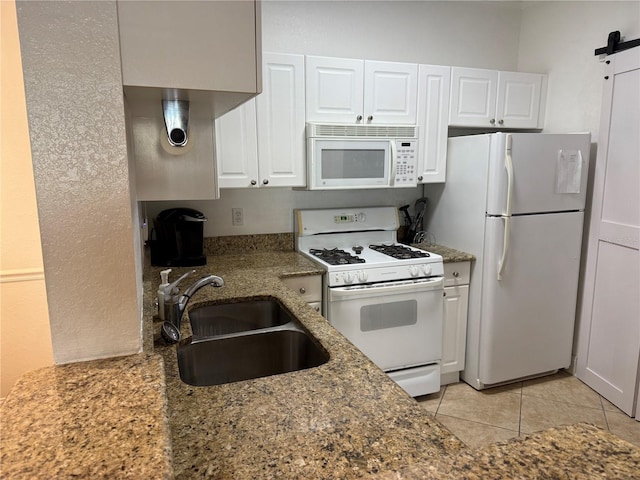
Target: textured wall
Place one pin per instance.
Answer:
(73, 86)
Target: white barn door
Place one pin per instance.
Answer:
(609, 339)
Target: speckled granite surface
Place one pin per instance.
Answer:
(234, 244)
(580, 451)
(448, 254)
(99, 419)
(344, 419)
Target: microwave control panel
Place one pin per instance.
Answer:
(406, 163)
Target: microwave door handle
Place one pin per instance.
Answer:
(394, 155)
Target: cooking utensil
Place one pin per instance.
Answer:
(419, 209)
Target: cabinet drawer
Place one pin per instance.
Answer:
(309, 287)
(457, 273)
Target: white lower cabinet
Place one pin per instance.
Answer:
(309, 287)
(262, 142)
(454, 328)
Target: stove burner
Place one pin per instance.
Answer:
(335, 256)
(398, 251)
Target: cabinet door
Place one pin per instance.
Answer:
(518, 100)
(390, 92)
(609, 338)
(454, 328)
(433, 112)
(281, 121)
(473, 97)
(334, 89)
(236, 147)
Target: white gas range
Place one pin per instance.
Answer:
(385, 297)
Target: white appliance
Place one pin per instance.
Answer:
(385, 297)
(343, 156)
(516, 201)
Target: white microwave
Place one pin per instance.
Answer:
(361, 156)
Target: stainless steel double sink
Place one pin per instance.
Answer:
(245, 340)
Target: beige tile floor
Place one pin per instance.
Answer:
(479, 418)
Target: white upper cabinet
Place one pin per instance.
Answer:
(262, 142)
(343, 90)
(488, 98)
(518, 100)
(433, 113)
(236, 147)
(334, 89)
(281, 121)
(390, 92)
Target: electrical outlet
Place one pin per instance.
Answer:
(237, 217)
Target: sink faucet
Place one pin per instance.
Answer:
(176, 303)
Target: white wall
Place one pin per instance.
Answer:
(560, 38)
(474, 34)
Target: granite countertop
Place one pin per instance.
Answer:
(580, 451)
(343, 419)
(449, 255)
(98, 419)
(134, 417)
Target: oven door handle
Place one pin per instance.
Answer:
(393, 288)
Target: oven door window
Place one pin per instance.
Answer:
(388, 315)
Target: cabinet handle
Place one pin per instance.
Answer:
(444, 294)
(265, 182)
(370, 117)
(420, 178)
(456, 274)
(253, 182)
(359, 118)
(303, 290)
(317, 309)
(500, 122)
(492, 121)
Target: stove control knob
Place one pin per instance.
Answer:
(413, 271)
(348, 277)
(426, 269)
(362, 276)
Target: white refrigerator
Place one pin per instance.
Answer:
(516, 201)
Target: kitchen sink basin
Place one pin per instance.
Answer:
(227, 318)
(232, 358)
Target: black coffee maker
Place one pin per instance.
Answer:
(178, 239)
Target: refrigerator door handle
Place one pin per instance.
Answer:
(508, 165)
(505, 246)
